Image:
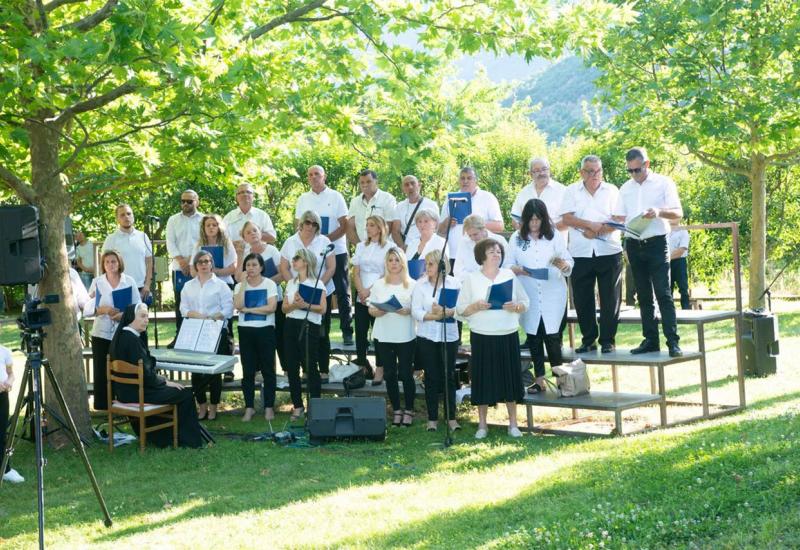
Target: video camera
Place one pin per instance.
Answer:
(33, 320)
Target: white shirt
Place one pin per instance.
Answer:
(370, 259)
(207, 299)
(484, 204)
(183, 233)
(6, 360)
(552, 196)
(292, 289)
(103, 326)
(548, 299)
(317, 248)
(422, 301)
(270, 253)
(490, 321)
(465, 259)
(272, 290)
(381, 204)
(328, 203)
(393, 328)
(134, 247)
(235, 220)
(656, 191)
(403, 211)
(594, 208)
(228, 257)
(679, 239)
(436, 242)
(85, 253)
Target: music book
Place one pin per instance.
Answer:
(326, 224)
(459, 205)
(310, 294)
(516, 218)
(634, 227)
(255, 298)
(217, 253)
(390, 306)
(416, 268)
(123, 297)
(447, 299)
(96, 300)
(180, 280)
(500, 293)
(199, 335)
(270, 269)
(541, 273)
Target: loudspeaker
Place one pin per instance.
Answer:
(20, 249)
(348, 417)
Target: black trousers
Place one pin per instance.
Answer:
(212, 382)
(341, 281)
(324, 357)
(430, 353)
(294, 352)
(257, 348)
(538, 342)
(99, 379)
(679, 274)
(280, 320)
(363, 322)
(398, 365)
(4, 409)
(178, 316)
(650, 264)
(606, 273)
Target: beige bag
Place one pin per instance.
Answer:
(572, 379)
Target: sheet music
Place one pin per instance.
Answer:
(187, 337)
(209, 336)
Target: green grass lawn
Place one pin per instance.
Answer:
(728, 483)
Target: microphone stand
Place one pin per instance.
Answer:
(152, 289)
(442, 272)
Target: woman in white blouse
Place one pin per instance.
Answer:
(496, 368)
(101, 305)
(208, 297)
(431, 323)
(369, 262)
(538, 255)
(395, 334)
(426, 221)
(257, 334)
(309, 238)
(304, 264)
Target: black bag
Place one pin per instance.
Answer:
(355, 381)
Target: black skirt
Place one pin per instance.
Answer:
(496, 369)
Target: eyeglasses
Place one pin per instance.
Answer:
(635, 170)
(592, 173)
(187, 201)
(203, 262)
(309, 222)
(297, 258)
(244, 192)
(540, 171)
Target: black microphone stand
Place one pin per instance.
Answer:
(441, 271)
(152, 289)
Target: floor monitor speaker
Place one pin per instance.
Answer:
(345, 417)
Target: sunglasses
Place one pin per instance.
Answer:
(297, 258)
(203, 262)
(635, 170)
(187, 201)
(309, 222)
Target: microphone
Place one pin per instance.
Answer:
(154, 218)
(328, 248)
(458, 199)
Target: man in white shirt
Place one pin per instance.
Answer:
(370, 202)
(183, 233)
(678, 262)
(484, 204)
(246, 212)
(330, 206)
(135, 248)
(404, 229)
(597, 251)
(653, 197)
(544, 188)
(84, 258)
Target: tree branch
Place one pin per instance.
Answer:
(91, 21)
(96, 102)
(283, 19)
(55, 4)
(718, 163)
(42, 14)
(21, 188)
(115, 183)
(788, 155)
(78, 148)
(135, 129)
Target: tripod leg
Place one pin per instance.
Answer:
(23, 391)
(78, 444)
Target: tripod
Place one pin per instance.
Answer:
(32, 384)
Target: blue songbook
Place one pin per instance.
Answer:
(500, 293)
(123, 297)
(255, 298)
(96, 299)
(326, 225)
(180, 280)
(310, 294)
(416, 268)
(447, 299)
(391, 305)
(541, 273)
(459, 205)
(217, 253)
(516, 218)
(270, 269)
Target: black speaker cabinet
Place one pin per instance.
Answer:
(20, 250)
(347, 417)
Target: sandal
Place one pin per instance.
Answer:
(535, 388)
(431, 426)
(297, 414)
(397, 418)
(410, 416)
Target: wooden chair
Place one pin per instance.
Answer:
(126, 373)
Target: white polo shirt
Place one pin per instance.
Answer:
(657, 191)
(484, 204)
(317, 248)
(134, 247)
(403, 213)
(552, 196)
(235, 220)
(594, 208)
(679, 238)
(381, 204)
(183, 233)
(328, 203)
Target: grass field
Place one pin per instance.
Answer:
(726, 483)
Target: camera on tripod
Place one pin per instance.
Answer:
(33, 320)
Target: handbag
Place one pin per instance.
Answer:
(572, 379)
(355, 381)
(340, 372)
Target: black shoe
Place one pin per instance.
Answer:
(228, 377)
(586, 348)
(645, 347)
(607, 348)
(675, 350)
(347, 340)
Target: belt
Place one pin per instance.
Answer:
(648, 240)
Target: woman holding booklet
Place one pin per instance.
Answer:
(491, 300)
(538, 256)
(256, 298)
(436, 324)
(303, 300)
(390, 305)
(417, 248)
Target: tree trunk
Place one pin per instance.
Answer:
(758, 232)
(62, 345)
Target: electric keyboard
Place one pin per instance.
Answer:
(192, 361)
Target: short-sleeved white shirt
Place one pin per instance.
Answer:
(134, 247)
(657, 191)
(317, 248)
(679, 239)
(484, 204)
(393, 327)
(6, 360)
(552, 196)
(465, 259)
(292, 289)
(183, 232)
(594, 208)
(381, 204)
(235, 220)
(403, 213)
(272, 290)
(328, 203)
(85, 251)
(371, 261)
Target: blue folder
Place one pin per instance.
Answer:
(500, 293)
(217, 253)
(447, 299)
(416, 268)
(180, 280)
(255, 298)
(391, 305)
(123, 297)
(326, 224)
(541, 273)
(270, 269)
(458, 208)
(310, 294)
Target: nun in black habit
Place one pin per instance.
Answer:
(130, 344)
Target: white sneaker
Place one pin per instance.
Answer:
(513, 431)
(481, 433)
(12, 476)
